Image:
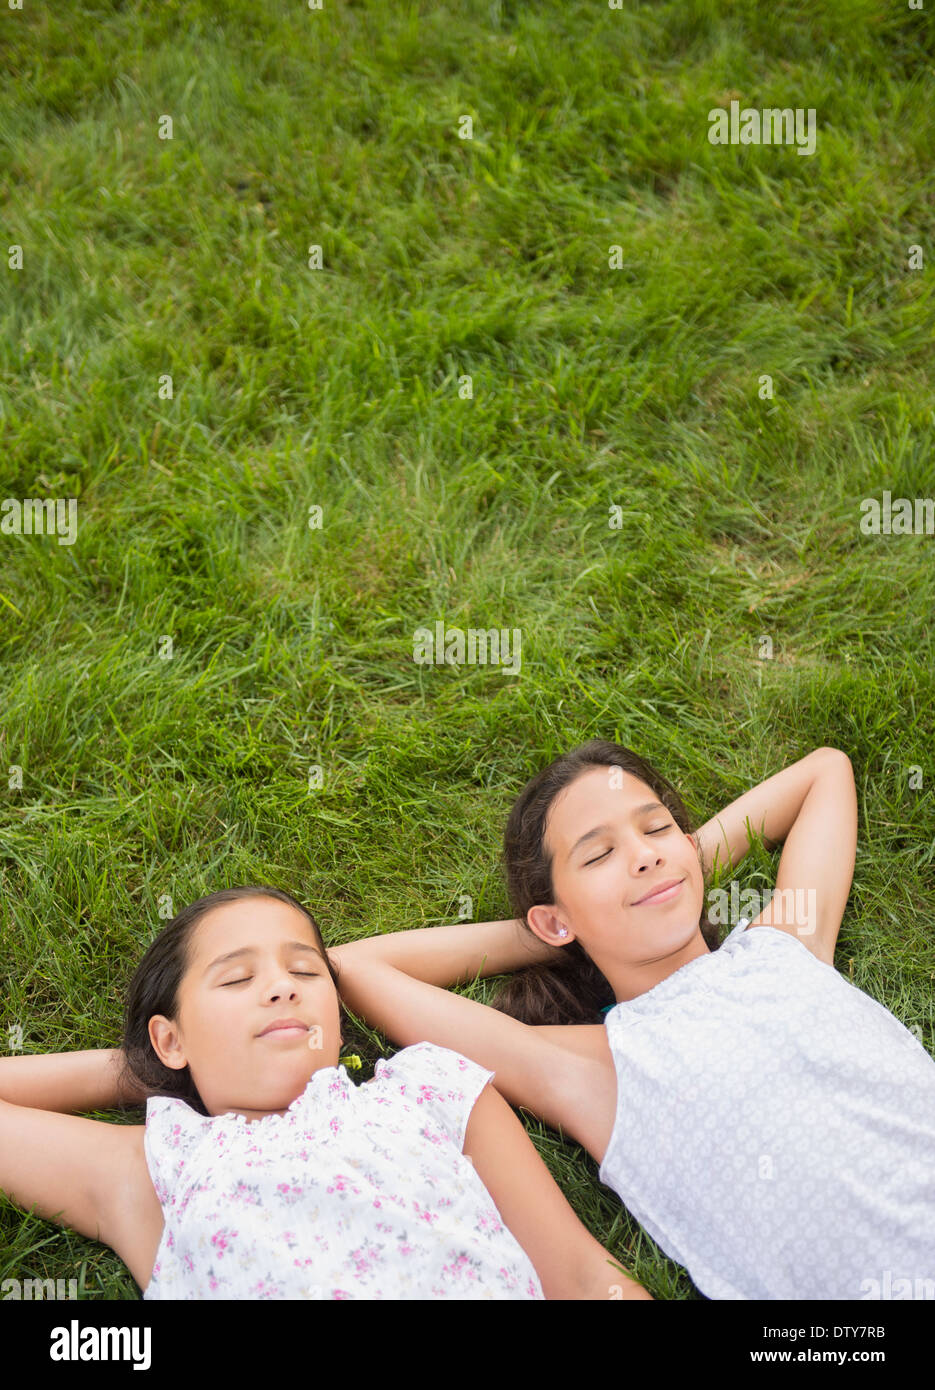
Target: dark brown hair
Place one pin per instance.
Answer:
(572, 989)
(154, 989)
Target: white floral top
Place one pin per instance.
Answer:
(358, 1191)
(775, 1128)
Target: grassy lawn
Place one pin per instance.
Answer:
(468, 387)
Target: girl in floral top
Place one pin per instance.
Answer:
(262, 1171)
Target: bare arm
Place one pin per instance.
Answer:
(771, 807)
(570, 1263)
(67, 1081)
(67, 1169)
(453, 955)
(817, 863)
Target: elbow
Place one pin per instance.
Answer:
(352, 953)
(837, 754)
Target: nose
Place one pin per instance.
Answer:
(646, 860)
(282, 990)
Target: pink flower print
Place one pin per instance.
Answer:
(334, 1125)
(340, 1293)
(425, 1093)
(220, 1240)
(341, 1184)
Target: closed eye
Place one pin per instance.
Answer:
(309, 974)
(657, 831)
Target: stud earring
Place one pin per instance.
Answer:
(562, 931)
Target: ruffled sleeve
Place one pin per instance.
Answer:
(173, 1133)
(437, 1083)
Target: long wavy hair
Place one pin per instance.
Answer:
(572, 989)
(154, 989)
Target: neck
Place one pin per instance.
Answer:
(629, 979)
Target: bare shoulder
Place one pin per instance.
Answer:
(133, 1215)
(584, 1094)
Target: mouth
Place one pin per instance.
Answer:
(662, 895)
(289, 1028)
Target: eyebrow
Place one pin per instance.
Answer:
(602, 829)
(251, 950)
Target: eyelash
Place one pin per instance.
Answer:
(309, 974)
(605, 854)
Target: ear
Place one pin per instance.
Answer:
(547, 925)
(163, 1036)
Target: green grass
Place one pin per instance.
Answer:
(444, 257)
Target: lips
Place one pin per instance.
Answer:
(660, 888)
(284, 1023)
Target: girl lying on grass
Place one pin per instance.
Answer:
(771, 1126)
(261, 1170)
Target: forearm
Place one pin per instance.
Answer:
(771, 808)
(569, 1261)
(451, 955)
(603, 1279)
(66, 1082)
(594, 1274)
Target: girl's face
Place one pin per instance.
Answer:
(611, 842)
(254, 962)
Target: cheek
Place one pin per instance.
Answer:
(594, 892)
(225, 1014)
(608, 878)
